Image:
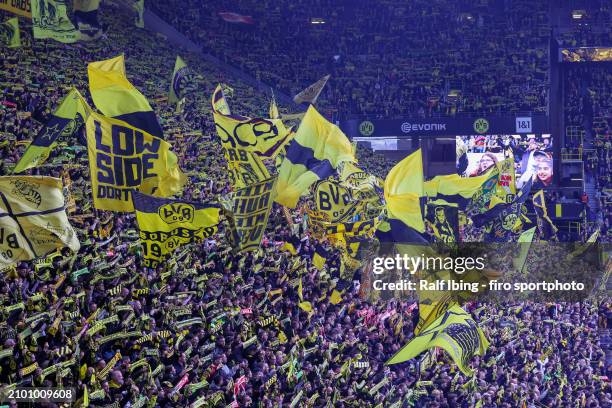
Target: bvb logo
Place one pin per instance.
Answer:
(176, 212)
(509, 222)
(481, 125)
(366, 128)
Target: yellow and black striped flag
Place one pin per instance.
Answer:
(117, 98)
(314, 154)
(166, 225)
(67, 119)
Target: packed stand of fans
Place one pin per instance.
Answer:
(233, 292)
(381, 58)
(588, 114)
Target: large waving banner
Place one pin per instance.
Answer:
(123, 158)
(50, 20)
(69, 117)
(248, 210)
(166, 224)
(456, 332)
(245, 139)
(33, 220)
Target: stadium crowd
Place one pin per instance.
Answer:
(552, 357)
(380, 59)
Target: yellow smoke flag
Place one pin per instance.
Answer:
(123, 158)
(33, 220)
(456, 332)
(403, 190)
(116, 97)
(314, 154)
(311, 94)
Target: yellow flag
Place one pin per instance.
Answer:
(115, 96)
(33, 221)
(456, 332)
(453, 188)
(180, 82)
(314, 154)
(273, 113)
(318, 261)
(403, 189)
(288, 246)
(305, 306)
(68, 118)
(166, 225)
(11, 35)
(123, 158)
(335, 297)
(264, 137)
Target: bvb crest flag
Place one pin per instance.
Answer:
(166, 225)
(67, 119)
(33, 220)
(116, 97)
(334, 200)
(454, 331)
(181, 81)
(248, 210)
(263, 137)
(314, 154)
(311, 94)
(50, 20)
(123, 158)
(10, 36)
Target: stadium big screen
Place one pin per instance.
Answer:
(532, 155)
